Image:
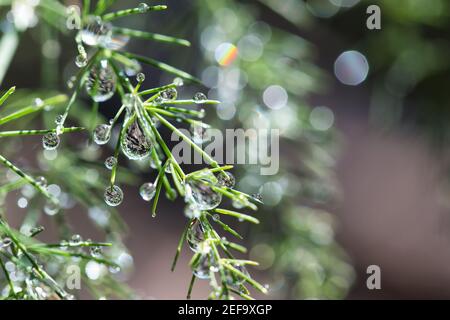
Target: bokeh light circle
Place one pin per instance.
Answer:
(351, 68)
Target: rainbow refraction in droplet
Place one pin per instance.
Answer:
(226, 53)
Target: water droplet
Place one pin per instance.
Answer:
(95, 251)
(102, 134)
(178, 82)
(143, 7)
(50, 141)
(200, 97)
(200, 192)
(51, 208)
(169, 94)
(59, 119)
(140, 77)
(81, 61)
(226, 179)
(5, 242)
(113, 196)
(75, 240)
(135, 144)
(129, 100)
(101, 82)
(59, 129)
(110, 162)
(239, 202)
(257, 196)
(234, 280)
(195, 235)
(147, 191)
(199, 133)
(191, 211)
(95, 31)
(202, 113)
(133, 68)
(203, 267)
(114, 269)
(41, 181)
(38, 102)
(36, 230)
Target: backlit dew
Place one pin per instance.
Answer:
(201, 193)
(178, 82)
(59, 119)
(38, 102)
(35, 230)
(96, 251)
(143, 7)
(50, 141)
(101, 82)
(351, 68)
(75, 240)
(199, 133)
(102, 134)
(169, 94)
(226, 53)
(234, 280)
(5, 242)
(113, 196)
(114, 269)
(81, 61)
(41, 181)
(129, 100)
(95, 32)
(51, 208)
(199, 98)
(147, 191)
(140, 77)
(191, 211)
(134, 143)
(226, 179)
(133, 68)
(202, 269)
(257, 197)
(195, 235)
(110, 162)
